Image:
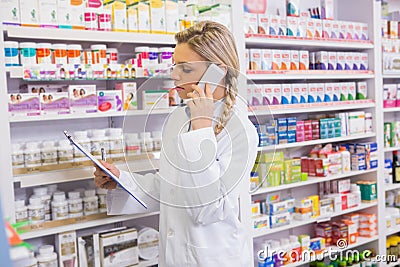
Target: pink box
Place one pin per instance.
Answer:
(389, 95)
(24, 104)
(326, 29)
(300, 131)
(54, 103)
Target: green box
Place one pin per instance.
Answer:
(368, 190)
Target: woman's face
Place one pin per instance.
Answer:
(189, 69)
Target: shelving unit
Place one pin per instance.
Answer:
(310, 75)
(389, 187)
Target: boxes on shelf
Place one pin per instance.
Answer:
(155, 99)
(54, 103)
(83, 98)
(67, 249)
(109, 100)
(48, 13)
(10, 12)
(20, 104)
(118, 14)
(129, 94)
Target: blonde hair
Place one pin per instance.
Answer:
(215, 43)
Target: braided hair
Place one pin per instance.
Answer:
(214, 42)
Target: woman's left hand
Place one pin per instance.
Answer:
(201, 107)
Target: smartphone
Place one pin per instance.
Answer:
(212, 76)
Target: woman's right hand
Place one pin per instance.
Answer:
(102, 180)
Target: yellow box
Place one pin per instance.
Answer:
(132, 16)
(118, 14)
(157, 16)
(315, 205)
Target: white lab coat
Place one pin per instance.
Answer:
(199, 210)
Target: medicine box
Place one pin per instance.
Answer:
(327, 9)
(304, 60)
(336, 91)
(344, 91)
(157, 16)
(296, 93)
(348, 64)
(389, 95)
(358, 161)
(368, 191)
(292, 26)
(286, 95)
(328, 96)
(279, 220)
(143, 8)
(332, 60)
(349, 30)
(119, 248)
(352, 91)
(129, 94)
(266, 59)
(82, 98)
(364, 61)
(250, 23)
(132, 15)
(321, 59)
(10, 12)
(262, 94)
(48, 13)
(29, 11)
(282, 26)
(54, 103)
(356, 122)
(274, 24)
(364, 31)
(109, 100)
(276, 94)
(312, 93)
(362, 90)
(24, 104)
(67, 249)
(320, 92)
(335, 29)
(171, 16)
(294, 60)
(263, 23)
(276, 59)
(356, 61)
(64, 14)
(341, 60)
(326, 29)
(155, 99)
(310, 28)
(317, 28)
(119, 16)
(357, 31)
(255, 59)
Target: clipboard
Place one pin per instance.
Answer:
(104, 169)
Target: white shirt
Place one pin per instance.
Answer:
(198, 189)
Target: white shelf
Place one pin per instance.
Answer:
(295, 223)
(88, 224)
(391, 149)
(311, 180)
(69, 175)
(392, 230)
(391, 75)
(15, 72)
(389, 187)
(88, 36)
(396, 109)
(98, 114)
(296, 42)
(316, 142)
(311, 107)
(309, 75)
(360, 241)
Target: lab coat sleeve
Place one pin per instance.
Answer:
(214, 187)
(120, 202)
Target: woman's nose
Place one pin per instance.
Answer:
(174, 75)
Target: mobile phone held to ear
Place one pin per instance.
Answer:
(212, 76)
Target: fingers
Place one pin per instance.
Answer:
(208, 91)
(198, 90)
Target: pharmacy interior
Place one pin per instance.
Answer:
(321, 89)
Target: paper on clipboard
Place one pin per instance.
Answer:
(104, 169)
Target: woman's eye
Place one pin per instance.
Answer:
(186, 70)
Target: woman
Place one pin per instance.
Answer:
(207, 154)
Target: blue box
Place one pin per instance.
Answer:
(282, 125)
(291, 124)
(282, 138)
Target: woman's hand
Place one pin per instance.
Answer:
(201, 107)
(102, 180)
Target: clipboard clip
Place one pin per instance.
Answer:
(68, 136)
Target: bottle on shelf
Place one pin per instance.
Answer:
(396, 167)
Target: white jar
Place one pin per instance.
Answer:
(51, 189)
(153, 56)
(157, 142)
(355, 189)
(102, 195)
(99, 52)
(132, 144)
(47, 257)
(74, 52)
(346, 160)
(90, 202)
(65, 152)
(75, 204)
(46, 199)
(98, 141)
(28, 53)
(59, 206)
(36, 210)
(43, 53)
(146, 142)
(49, 153)
(17, 156)
(166, 55)
(59, 52)
(21, 211)
(112, 56)
(26, 262)
(116, 142)
(81, 137)
(142, 56)
(11, 53)
(32, 155)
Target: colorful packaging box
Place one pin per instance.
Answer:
(54, 103)
(317, 28)
(129, 94)
(274, 26)
(326, 29)
(356, 122)
(341, 60)
(171, 16)
(255, 59)
(10, 12)
(344, 91)
(109, 100)
(266, 59)
(294, 60)
(322, 60)
(362, 90)
(21, 104)
(292, 26)
(304, 60)
(352, 91)
(285, 55)
(48, 13)
(349, 61)
(312, 93)
(29, 11)
(332, 60)
(296, 93)
(320, 92)
(389, 95)
(368, 191)
(265, 94)
(335, 29)
(286, 94)
(82, 98)
(132, 15)
(263, 23)
(155, 99)
(364, 61)
(328, 96)
(157, 16)
(143, 8)
(310, 28)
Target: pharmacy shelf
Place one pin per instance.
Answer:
(99, 114)
(389, 187)
(360, 241)
(148, 263)
(88, 36)
(396, 109)
(392, 231)
(311, 180)
(311, 107)
(310, 75)
(295, 223)
(316, 142)
(83, 225)
(15, 72)
(78, 174)
(391, 75)
(261, 41)
(391, 149)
